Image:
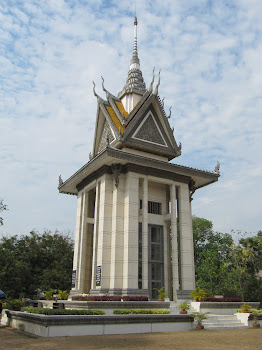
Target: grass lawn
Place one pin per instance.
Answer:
(237, 339)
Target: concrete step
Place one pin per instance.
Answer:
(222, 322)
(210, 327)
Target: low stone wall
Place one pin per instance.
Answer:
(222, 308)
(59, 326)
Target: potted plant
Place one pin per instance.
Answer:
(198, 294)
(245, 308)
(184, 307)
(255, 314)
(161, 294)
(63, 295)
(199, 317)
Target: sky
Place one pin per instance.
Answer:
(210, 54)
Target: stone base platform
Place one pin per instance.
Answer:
(60, 326)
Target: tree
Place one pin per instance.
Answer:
(212, 250)
(223, 267)
(32, 262)
(2, 208)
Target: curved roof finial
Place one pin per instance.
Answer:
(94, 89)
(157, 85)
(150, 88)
(103, 87)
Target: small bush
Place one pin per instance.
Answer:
(198, 294)
(141, 312)
(246, 308)
(63, 295)
(14, 304)
(42, 311)
(49, 294)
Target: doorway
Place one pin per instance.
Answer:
(155, 260)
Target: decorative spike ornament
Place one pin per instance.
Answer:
(94, 89)
(169, 116)
(150, 88)
(157, 85)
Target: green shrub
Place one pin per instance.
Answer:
(245, 308)
(14, 304)
(63, 295)
(141, 312)
(198, 294)
(184, 306)
(49, 294)
(50, 312)
(161, 293)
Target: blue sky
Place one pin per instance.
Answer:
(209, 53)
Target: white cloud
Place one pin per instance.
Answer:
(209, 53)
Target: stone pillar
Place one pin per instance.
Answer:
(145, 235)
(117, 238)
(175, 270)
(186, 240)
(130, 260)
(104, 233)
(77, 242)
(82, 245)
(166, 259)
(95, 239)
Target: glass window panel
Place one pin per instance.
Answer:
(156, 252)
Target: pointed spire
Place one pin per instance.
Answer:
(135, 82)
(135, 63)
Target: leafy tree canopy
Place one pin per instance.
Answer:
(2, 208)
(225, 268)
(35, 262)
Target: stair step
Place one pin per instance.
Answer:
(215, 321)
(224, 327)
(222, 322)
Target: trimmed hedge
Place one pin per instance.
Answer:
(42, 311)
(141, 312)
(109, 298)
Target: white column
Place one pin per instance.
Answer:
(145, 235)
(166, 259)
(104, 230)
(186, 240)
(83, 244)
(117, 238)
(77, 239)
(95, 240)
(175, 270)
(130, 261)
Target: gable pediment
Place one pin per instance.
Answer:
(150, 132)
